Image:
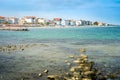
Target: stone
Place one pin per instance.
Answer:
(76, 69)
(77, 61)
(68, 74)
(71, 56)
(86, 68)
(53, 77)
(86, 79)
(66, 61)
(83, 50)
(76, 75)
(85, 59)
(83, 56)
(88, 73)
(100, 77)
(40, 74)
(72, 69)
(46, 71)
(83, 65)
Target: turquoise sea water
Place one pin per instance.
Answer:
(36, 35)
(53, 46)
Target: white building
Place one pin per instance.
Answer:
(12, 20)
(78, 23)
(40, 20)
(21, 21)
(29, 19)
(72, 22)
(57, 21)
(89, 23)
(67, 22)
(63, 22)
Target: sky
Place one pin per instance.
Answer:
(107, 11)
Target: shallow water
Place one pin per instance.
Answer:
(53, 46)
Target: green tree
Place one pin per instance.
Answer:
(6, 22)
(95, 23)
(47, 23)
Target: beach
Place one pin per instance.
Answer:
(50, 49)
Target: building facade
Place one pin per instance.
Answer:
(29, 19)
(2, 19)
(57, 21)
(12, 20)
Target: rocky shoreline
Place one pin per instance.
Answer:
(85, 70)
(81, 68)
(18, 47)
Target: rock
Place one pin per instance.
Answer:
(68, 74)
(85, 59)
(86, 68)
(66, 61)
(77, 75)
(71, 56)
(46, 71)
(9, 46)
(83, 65)
(86, 79)
(83, 50)
(100, 77)
(40, 74)
(77, 61)
(88, 73)
(112, 76)
(98, 72)
(76, 69)
(83, 56)
(53, 77)
(72, 69)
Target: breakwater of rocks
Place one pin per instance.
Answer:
(83, 70)
(19, 47)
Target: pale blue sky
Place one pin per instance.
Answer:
(95, 10)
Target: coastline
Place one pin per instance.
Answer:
(19, 28)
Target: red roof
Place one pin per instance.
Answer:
(57, 19)
(30, 17)
(2, 17)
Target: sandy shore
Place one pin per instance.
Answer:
(10, 28)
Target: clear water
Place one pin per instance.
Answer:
(34, 35)
(53, 46)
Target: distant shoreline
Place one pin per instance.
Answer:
(19, 28)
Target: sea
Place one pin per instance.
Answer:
(52, 46)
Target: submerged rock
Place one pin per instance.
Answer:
(71, 56)
(46, 71)
(86, 79)
(40, 74)
(53, 77)
(83, 50)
